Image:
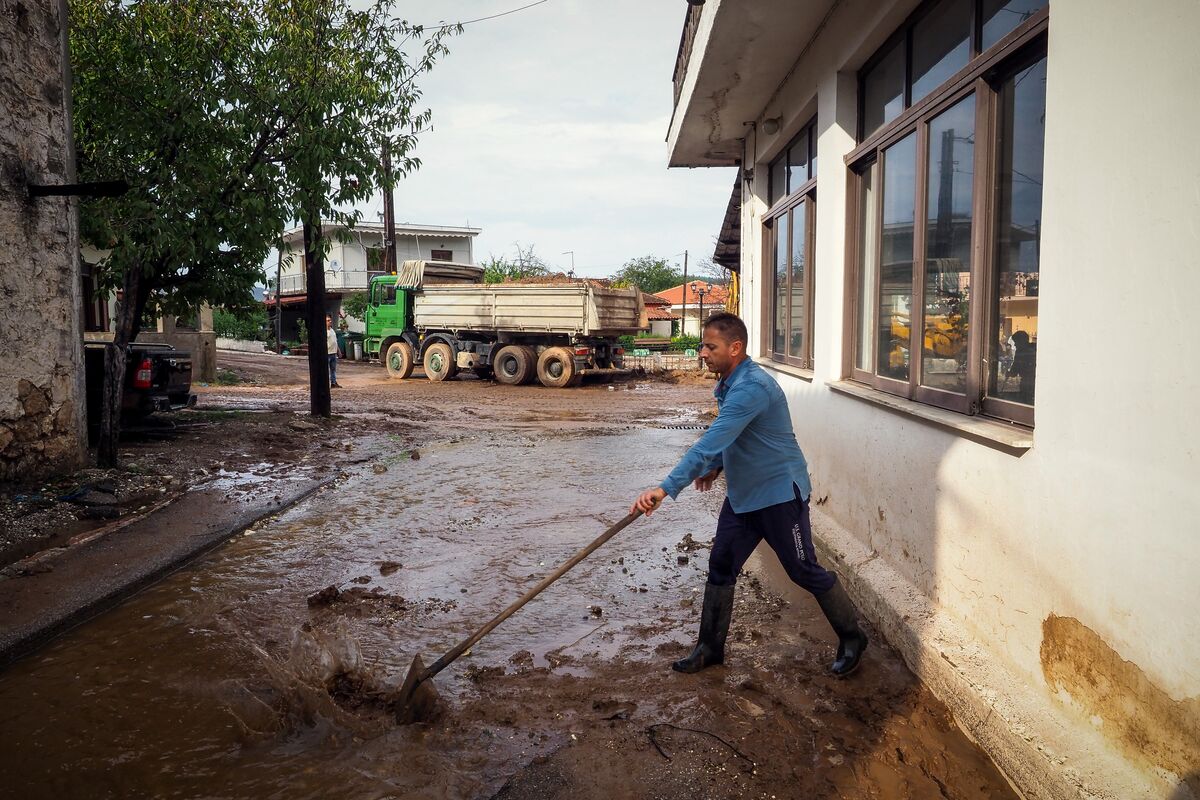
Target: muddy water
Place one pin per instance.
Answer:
(201, 686)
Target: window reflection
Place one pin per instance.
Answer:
(1019, 222)
(797, 158)
(948, 223)
(868, 269)
(883, 90)
(896, 258)
(799, 241)
(781, 276)
(1002, 16)
(941, 45)
(778, 180)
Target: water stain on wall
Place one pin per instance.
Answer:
(1133, 711)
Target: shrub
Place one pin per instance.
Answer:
(681, 343)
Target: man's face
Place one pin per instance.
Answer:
(719, 353)
(329, 322)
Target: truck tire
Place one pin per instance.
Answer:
(439, 362)
(556, 368)
(513, 365)
(399, 360)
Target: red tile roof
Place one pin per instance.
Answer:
(714, 295)
(658, 312)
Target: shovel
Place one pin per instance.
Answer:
(417, 699)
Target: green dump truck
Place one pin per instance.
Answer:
(440, 316)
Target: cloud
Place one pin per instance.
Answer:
(549, 128)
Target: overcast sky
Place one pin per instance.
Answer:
(549, 129)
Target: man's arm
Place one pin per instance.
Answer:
(744, 402)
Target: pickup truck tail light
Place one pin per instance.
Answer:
(583, 351)
(141, 378)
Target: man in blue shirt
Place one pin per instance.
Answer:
(767, 491)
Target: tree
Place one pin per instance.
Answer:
(712, 272)
(526, 265)
(648, 273)
(230, 120)
(355, 305)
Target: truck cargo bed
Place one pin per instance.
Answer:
(577, 309)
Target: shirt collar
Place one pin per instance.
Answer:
(729, 380)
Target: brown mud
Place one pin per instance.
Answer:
(224, 681)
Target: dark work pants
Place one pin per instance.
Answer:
(785, 527)
(332, 369)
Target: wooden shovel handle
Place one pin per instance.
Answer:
(446, 660)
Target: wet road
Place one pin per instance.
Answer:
(184, 691)
(222, 682)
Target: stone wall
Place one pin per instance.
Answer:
(41, 364)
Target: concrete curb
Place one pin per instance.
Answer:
(87, 580)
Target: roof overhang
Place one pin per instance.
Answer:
(741, 54)
(728, 252)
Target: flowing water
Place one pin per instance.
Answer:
(216, 682)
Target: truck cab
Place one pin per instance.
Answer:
(389, 315)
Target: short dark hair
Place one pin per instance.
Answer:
(729, 327)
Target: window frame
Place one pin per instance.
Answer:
(983, 76)
(779, 220)
(802, 196)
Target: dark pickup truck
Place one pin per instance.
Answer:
(157, 378)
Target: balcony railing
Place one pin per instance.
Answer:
(334, 281)
(690, 23)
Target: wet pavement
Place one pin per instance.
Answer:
(223, 682)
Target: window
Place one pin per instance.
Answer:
(795, 166)
(935, 44)
(947, 205)
(788, 231)
(441, 255)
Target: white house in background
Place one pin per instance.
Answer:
(941, 201)
(349, 266)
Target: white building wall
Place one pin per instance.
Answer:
(1071, 567)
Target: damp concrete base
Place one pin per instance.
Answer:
(1043, 754)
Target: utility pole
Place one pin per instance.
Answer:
(572, 254)
(279, 300)
(683, 319)
(389, 213)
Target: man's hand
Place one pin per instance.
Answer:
(648, 501)
(705, 482)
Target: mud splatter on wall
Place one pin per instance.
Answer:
(1145, 721)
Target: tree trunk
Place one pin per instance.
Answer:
(135, 293)
(318, 364)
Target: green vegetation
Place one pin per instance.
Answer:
(355, 305)
(249, 323)
(648, 273)
(681, 343)
(229, 121)
(227, 377)
(526, 265)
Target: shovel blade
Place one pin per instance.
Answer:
(417, 700)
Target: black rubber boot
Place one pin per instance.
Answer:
(714, 626)
(843, 616)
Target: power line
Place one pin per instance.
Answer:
(483, 19)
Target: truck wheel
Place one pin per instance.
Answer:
(513, 365)
(532, 354)
(556, 367)
(399, 360)
(439, 362)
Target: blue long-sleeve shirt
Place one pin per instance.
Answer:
(752, 439)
